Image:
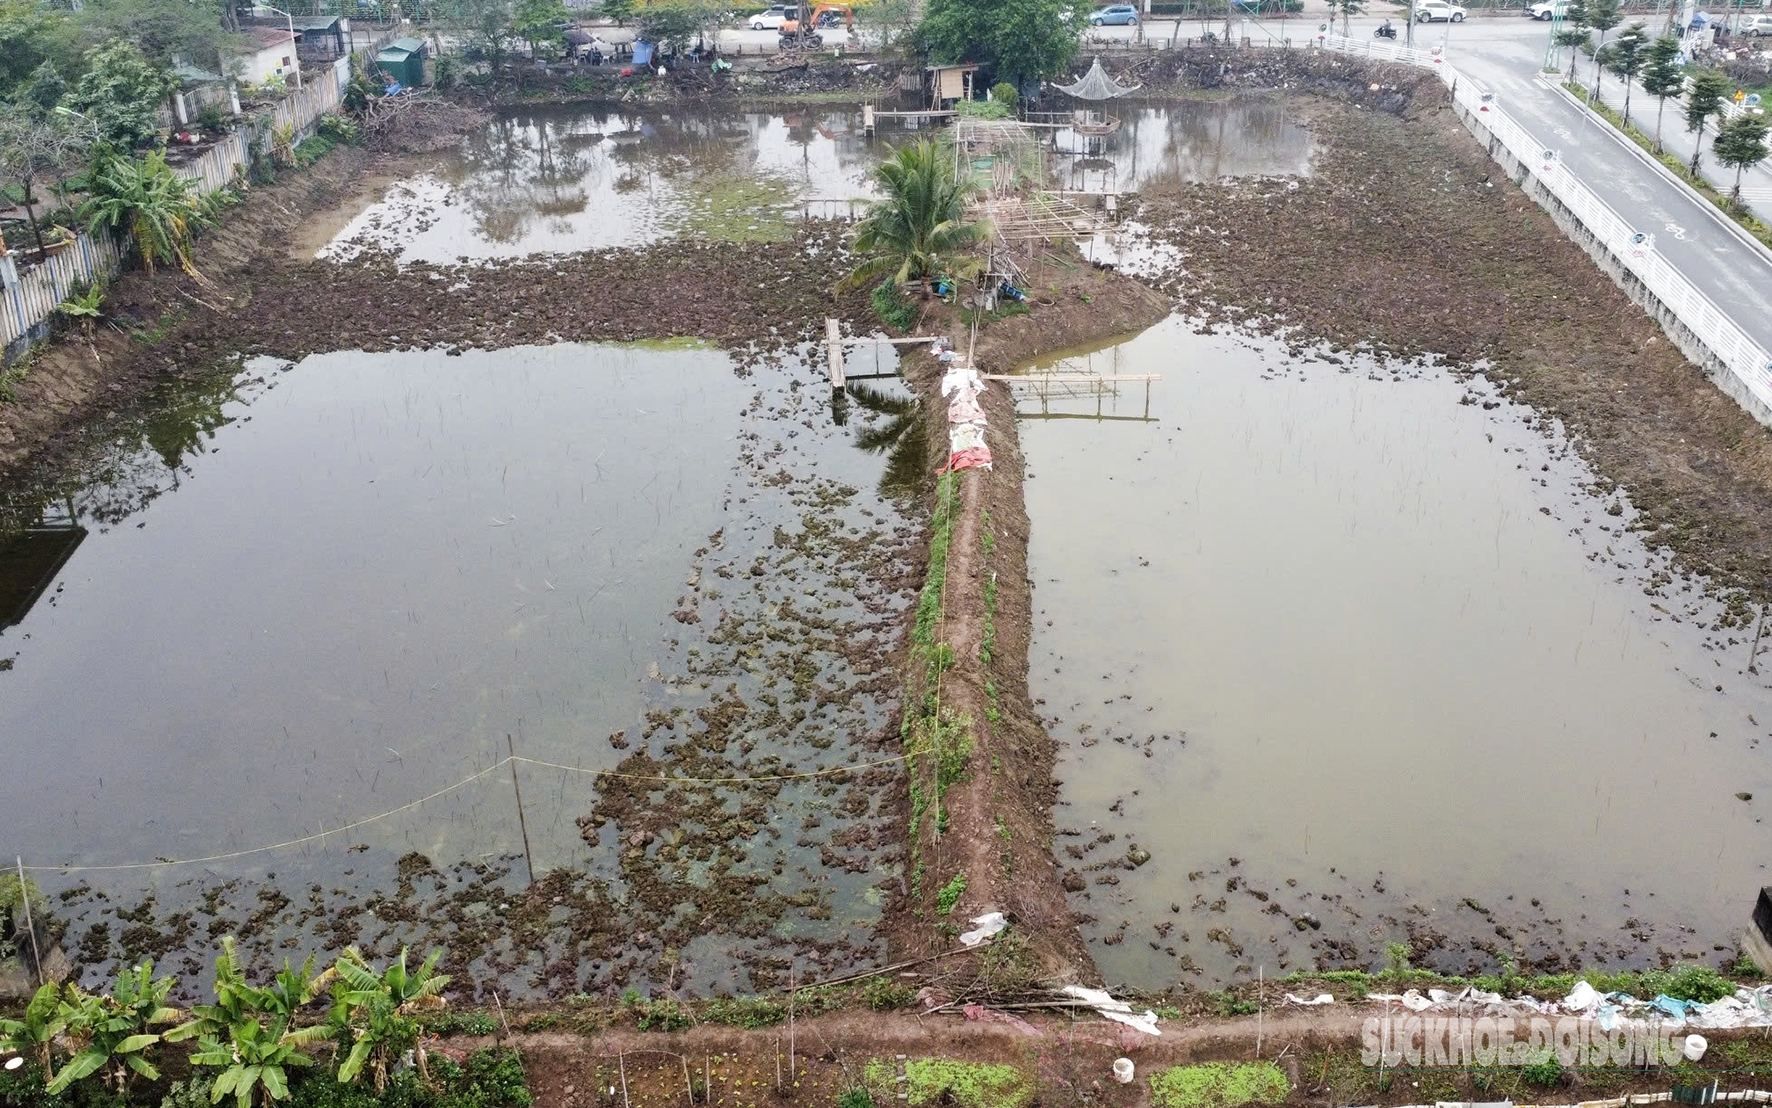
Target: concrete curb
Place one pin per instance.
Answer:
(1646, 158)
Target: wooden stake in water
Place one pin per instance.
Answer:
(24, 896)
(792, 1070)
(528, 858)
(1260, 982)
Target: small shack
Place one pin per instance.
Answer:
(403, 60)
(1096, 87)
(320, 39)
(948, 83)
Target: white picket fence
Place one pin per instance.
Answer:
(29, 299)
(1746, 359)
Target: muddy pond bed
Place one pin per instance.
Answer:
(320, 592)
(1343, 653)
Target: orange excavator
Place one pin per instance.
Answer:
(803, 31)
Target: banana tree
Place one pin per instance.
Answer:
(373, 1011)
(254, 1060)
(112, 1031)
(45, 1017)
(248, 1032)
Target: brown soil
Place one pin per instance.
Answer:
(999, 824)
(1409, 240)
(148, 313)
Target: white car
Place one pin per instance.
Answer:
(1546, 10)
(772, 19)
(1438, 11)
(1755, 25)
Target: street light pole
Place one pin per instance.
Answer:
(291, 21)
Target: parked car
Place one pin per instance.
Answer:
(1117, 15)
(1760, 24)
(772, 19)
(1546, 10)
(1438, 11)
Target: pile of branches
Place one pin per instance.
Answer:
(415, 122)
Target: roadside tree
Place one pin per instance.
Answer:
(1347, 9)
(1703, 100)
(539, 23)
(1663, 77)
(1602, 16)
(1741, 144)
(1027, 40)
(1627, 56)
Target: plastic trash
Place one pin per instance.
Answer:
(1673, 1006)
(1320, 998)
(986, 926)
(1582, 997)
(15, 1062)
(1695, 1047)
(1123, 1070)
(1116, 1010)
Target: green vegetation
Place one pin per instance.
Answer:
(1026, 40)
(919, 231)
(950, 894)
(749, 1012)
(1219, 1085)
(1681, 170)
(121, 93)
(884, 994)
(1741, 144)
(984, 109)
(893, 308)
(942, 1081)
(254, 1042)
(1703, 100)
(155, 208)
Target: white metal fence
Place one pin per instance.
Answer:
(1746, 359)
(29, 299)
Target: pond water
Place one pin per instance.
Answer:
(590, 177)
(568, 178)
(1186, 140)
(284, 603)
(1359, 658)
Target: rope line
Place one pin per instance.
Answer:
(445, 790)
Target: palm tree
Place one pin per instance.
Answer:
(920, 228)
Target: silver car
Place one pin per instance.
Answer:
(1760, 24)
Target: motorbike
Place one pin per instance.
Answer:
(1386, 31)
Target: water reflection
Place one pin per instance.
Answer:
(568, 178)
(900, 435)
(1189, 140)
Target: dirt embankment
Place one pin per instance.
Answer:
(980, 840)
(1409, 240)
(147, 314)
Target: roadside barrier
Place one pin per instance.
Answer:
(1703, 331)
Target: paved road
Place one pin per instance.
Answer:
(1505, 55)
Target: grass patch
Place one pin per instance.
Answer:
(1219, 1085)
(748, 1012)
(1674, 165)
(891, 305)
(673, 342)
(941, 1081)
(950, 894)
(734, 208)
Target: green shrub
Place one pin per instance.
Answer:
(310, 150)
(1699, 983)
(1228, 1004)
(950, 894)
(1219, 1085)
(855, 1098)
(663, 1015)
(966, 1084)
(212, 118)
(1544, 1070)
(1004, 93)
(340, 129)
(894, 310)
(750, 1011)
(884, 994)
